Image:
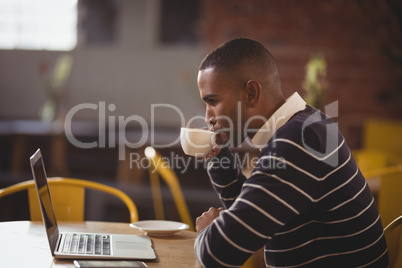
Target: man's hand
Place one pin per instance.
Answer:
(206, 218)
(214, 152)
(221, 140)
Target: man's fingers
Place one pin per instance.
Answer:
(207, 217)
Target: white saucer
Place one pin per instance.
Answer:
(159, 228)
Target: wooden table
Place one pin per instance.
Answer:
(24, 244)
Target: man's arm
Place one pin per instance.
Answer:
(206, 218)
(237, 232)
(268, 200)
(226, 177)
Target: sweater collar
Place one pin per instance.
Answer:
(292, 105)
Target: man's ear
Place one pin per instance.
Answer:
(252, 93)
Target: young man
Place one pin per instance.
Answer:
(306, 201)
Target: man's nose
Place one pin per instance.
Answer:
(210, 120)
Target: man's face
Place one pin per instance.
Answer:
(222, 93)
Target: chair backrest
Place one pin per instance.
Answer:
(159, 166)
(373, 161)
(68, 196)
(390, 196)
(383, 135)
(393, 236)
(390, 208)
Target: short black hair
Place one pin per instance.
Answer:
(238, 51)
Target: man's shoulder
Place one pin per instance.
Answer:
(294, 127)
(308, 127)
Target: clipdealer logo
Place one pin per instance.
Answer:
(330, 155)
(116, 127)
(108, 123)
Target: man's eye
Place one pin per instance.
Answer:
(212, 102)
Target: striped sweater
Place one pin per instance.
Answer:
(306, 203)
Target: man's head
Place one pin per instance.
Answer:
(240, 84)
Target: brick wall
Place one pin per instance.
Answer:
(350, 34)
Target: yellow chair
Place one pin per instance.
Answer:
(390, 196)
(390, 207)
(373, 161)
(393, 236)
(161, 167)
(384, 135)
(68, 197)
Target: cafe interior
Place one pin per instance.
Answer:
(103, 87)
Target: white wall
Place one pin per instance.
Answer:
(133, 74)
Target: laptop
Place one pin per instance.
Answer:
(76, 245)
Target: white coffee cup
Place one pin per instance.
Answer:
(197, 142)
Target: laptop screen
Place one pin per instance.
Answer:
(46, 205)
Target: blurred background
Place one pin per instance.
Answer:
(128, 56)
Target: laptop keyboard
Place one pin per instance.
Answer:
(91, 244)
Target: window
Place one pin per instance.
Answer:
(38, 24)
(178, 22)
(98, 21)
